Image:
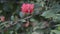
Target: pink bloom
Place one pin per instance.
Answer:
(2, 18)
(27, 8)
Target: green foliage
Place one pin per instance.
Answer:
(11, 7)
(55, 32)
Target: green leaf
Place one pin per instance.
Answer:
(55, 31)
(52, 13)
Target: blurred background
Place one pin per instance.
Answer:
(29, 16)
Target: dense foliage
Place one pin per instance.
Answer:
(44, 19)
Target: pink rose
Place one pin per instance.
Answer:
(27, 8)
